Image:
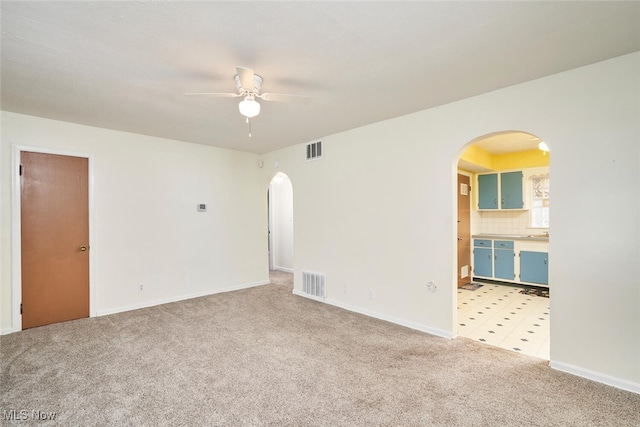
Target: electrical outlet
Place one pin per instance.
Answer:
(141, 288)
(371, 295)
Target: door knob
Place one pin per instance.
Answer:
(459, 238)
(83, 248)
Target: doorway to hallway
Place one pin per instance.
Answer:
(280, 200)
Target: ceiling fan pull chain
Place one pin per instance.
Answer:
(249, 121)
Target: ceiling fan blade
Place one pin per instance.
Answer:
(281, 97)
(215, 95)
(246, 78)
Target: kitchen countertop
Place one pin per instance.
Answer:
(533, 237)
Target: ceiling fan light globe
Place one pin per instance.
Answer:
(249, 108)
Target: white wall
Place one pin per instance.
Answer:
(146, 226)
(281, 205)
(376, 215)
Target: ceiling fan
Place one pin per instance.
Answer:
(248, 84)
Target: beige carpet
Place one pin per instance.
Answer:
(263, 356)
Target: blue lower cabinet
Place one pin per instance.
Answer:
(482, 262)
(534, 267)
(504, 265)
(483, 243)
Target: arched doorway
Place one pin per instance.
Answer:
(280, 200)
(504, 298)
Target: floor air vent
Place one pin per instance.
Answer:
(314, 284)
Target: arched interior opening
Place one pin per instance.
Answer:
(280, 201)
(503, 242)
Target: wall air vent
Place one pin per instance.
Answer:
(314, 284)
(314, 150)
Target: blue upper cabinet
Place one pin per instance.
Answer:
(507, 195)
(488, 191)
(511, 190)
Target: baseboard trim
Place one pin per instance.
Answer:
(596, 376)
(154, 303)
(302, 294)
(179, 298)
(380, 316)
(284, 269)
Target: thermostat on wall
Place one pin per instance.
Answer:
(202, 207)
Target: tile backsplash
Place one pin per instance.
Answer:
(502, 222)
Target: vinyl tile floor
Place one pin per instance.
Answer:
(500, 315)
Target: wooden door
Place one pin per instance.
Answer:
(55, 238)
(464, 230)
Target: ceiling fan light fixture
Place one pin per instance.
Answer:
(249, 107)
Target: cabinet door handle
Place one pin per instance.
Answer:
(495, 202)
(545, 261)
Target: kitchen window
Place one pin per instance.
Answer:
(539, 212)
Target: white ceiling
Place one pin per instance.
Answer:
(508, 142)
(125, 65)
(501, 143)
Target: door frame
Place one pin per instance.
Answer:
(270, 226)
(273, 233)
(471, 190)
(16, 228)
